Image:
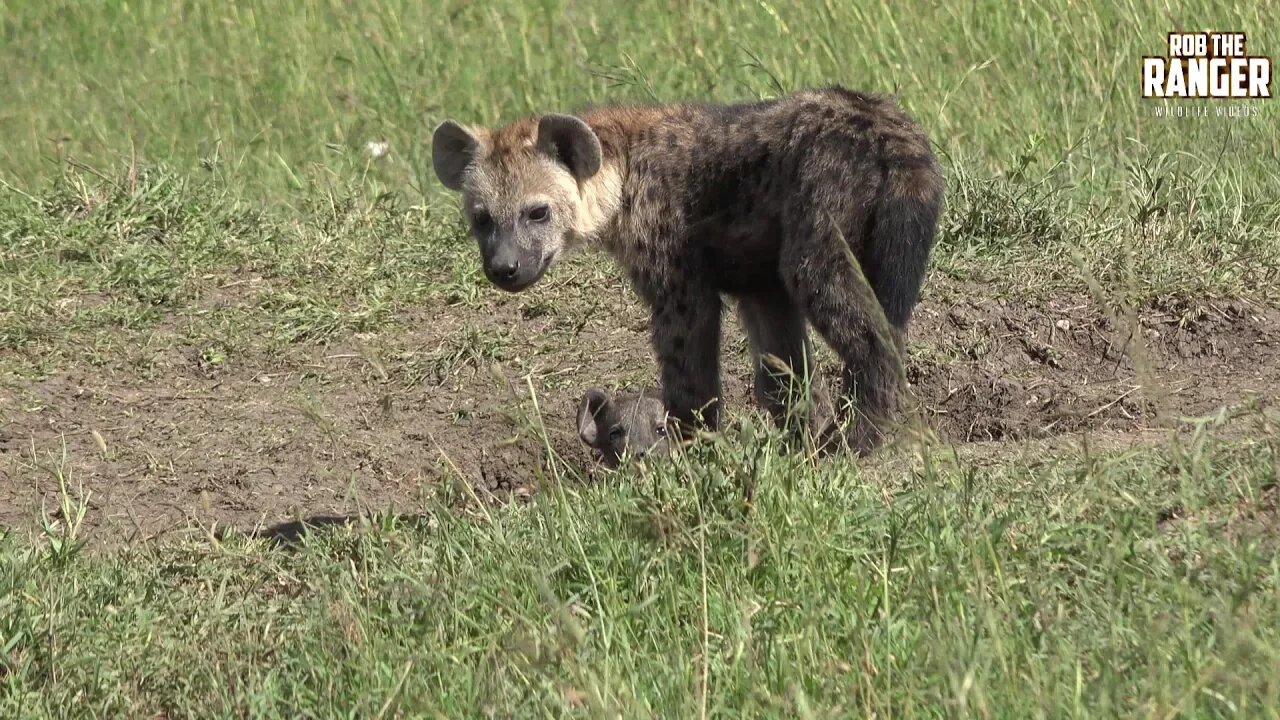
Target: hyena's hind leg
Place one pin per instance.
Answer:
(786, 383)
(828, 283)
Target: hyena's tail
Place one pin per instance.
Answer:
(903, 228)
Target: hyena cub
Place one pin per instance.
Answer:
(632, 423)
(815, 208)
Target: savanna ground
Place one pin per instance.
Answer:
(222, 310)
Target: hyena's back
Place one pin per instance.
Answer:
(734, 180)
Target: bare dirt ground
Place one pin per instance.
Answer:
(375, 421)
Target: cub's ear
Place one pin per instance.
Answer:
(591, 406)
(453, 148)
(572, 143)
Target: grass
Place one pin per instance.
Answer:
(147, 247)
(735, 581)
(187, 190)
(281, 100)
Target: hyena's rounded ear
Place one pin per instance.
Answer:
(572, 143)
(593, 402)
(453, 148)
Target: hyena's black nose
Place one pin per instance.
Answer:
(505, 270)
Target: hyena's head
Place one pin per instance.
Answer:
(629, 424)
(530, 191)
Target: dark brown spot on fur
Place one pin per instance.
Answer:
(859, 123)
(655, 194)
(910, 162)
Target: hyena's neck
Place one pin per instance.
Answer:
(599, 204)
(610, 198)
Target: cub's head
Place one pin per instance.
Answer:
(530, 191)
(629, 424)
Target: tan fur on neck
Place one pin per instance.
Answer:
(599, 198)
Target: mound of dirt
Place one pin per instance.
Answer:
(991, 370)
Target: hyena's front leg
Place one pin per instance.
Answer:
(686, 339)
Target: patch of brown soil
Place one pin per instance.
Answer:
(379, 420)
(1000, 370)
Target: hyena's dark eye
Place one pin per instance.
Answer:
(617, 434)
(661, 430)
(538, 214)
(482, 221)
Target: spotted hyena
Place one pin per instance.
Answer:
(630, 423)
(817, 208)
